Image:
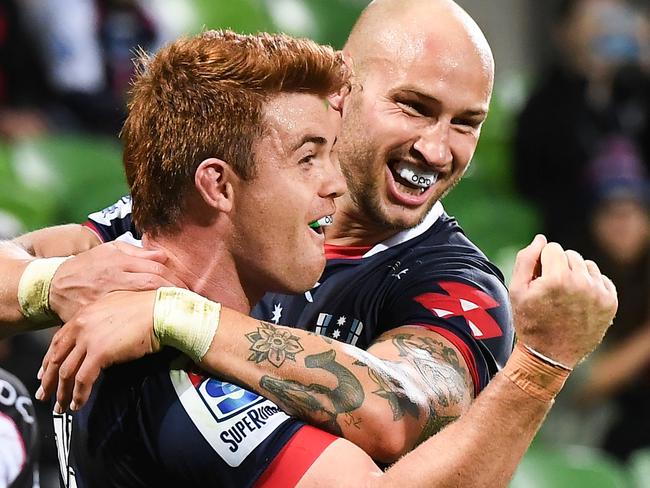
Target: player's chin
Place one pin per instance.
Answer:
(306, 272)
(400, 217)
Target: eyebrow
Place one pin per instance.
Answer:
(318, 140)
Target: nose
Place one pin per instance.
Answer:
(333, 185)
(433, 144)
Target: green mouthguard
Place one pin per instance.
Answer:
(323, 222)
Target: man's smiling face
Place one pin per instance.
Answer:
(297, 178)
(412, 121)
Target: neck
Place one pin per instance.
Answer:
(352, 227)
(208, 270)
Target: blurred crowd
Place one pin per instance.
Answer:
(65, 67)
(581, 157)
(582, 154)
(68, 64)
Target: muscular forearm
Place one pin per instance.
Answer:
(481, 449)
(378, 404)
(16, 254)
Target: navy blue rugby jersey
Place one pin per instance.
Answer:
(159, 422)
(431, 275)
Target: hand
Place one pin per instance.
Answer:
(115, 329)
(565, 311)
(113, 266)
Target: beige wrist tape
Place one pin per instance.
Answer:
(534, 376)
(34, 290)
(185, 321)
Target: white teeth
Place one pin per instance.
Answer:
(416, 175)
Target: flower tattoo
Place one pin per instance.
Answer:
(273, 345)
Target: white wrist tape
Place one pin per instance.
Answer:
(185, 321)
(34, 290)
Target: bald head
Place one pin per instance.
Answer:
(401, 29)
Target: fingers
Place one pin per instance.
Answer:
(577, 263)
(86, 377)
(137, 252)
(59, 349)
(554, 261)
(527, 260)
(593, 270)
(67, 375)
(147, 269)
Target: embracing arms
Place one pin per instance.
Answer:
(15, 255)
(407, 386)
(95, 270)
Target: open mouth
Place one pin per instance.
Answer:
(317, 226)
(412, 179)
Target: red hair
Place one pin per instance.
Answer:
(203, 97)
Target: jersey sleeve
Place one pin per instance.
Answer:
(468, 305)
(114, 222)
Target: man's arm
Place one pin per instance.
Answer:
(480, 450)
(405, 388)
(571, 303)
(96, 270)
(15, 255)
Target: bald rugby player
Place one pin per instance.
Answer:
(419, 143)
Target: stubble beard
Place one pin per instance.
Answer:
(365, 194)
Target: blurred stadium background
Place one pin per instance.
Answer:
(58, 174)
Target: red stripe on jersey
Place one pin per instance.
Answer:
(464, 350)
(345, 252)
(90, 224)
(295, 458)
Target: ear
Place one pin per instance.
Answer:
(337, 100)
(213, 181)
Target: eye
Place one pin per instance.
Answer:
(414, 108)
(468, 123)
(307, 160)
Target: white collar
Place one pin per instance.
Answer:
(405, 235)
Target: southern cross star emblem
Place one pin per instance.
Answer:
(336, 334)
(341, 321)
(277, 314)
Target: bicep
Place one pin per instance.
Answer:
(434, 367)
(61, 240)
(431, 354)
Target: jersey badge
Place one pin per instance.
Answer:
(465, 301)
(340, 328)
(234, 421)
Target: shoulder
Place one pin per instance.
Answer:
(114, 221)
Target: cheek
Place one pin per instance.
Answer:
(462, 148)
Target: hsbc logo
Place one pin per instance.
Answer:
(465, 301)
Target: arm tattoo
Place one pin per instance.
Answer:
(318, 403)
(391, 388)
(273, 345)
(436, 365)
